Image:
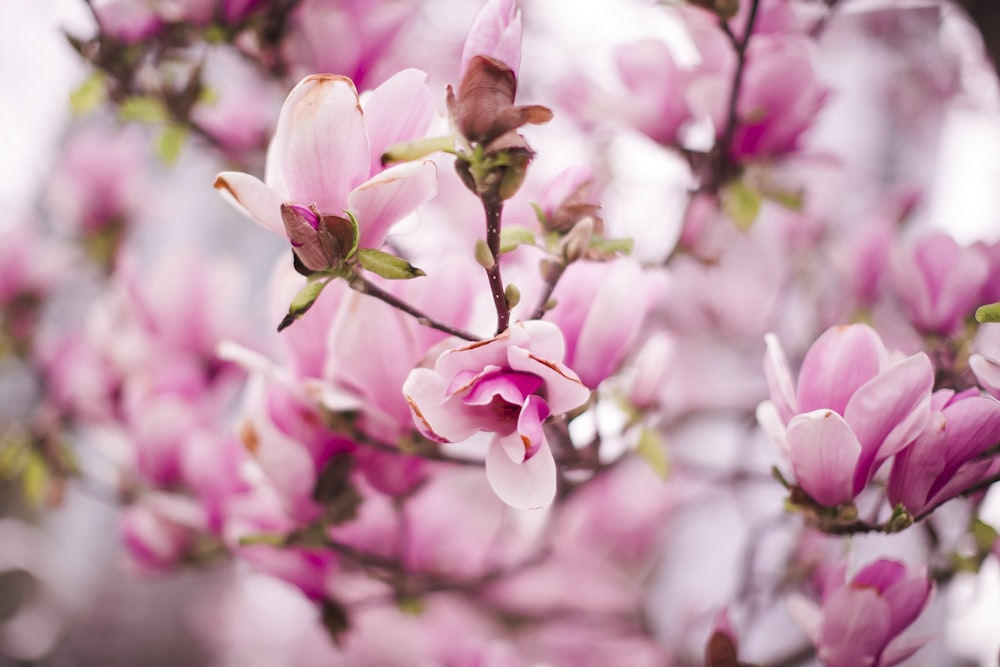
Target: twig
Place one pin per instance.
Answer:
(361, 284)
(493, 206)
(724, 164)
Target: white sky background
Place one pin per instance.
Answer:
(38, 70)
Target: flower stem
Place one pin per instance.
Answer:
(493, 205)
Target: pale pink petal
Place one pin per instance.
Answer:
(320, 148)
(424, 390)
(901, 648)
(987, 371)
(546, 340)
(806, 614)
(565, 392)
(890, 411)
(389, 197)
(527, 485)
(840, 361)
(774, 427)
(252, 198)
(401, 109)
(823, 451)
(779, 379)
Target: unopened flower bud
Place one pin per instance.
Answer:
(483, 255)
(577, 240)
(513, 295)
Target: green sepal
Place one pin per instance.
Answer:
(539, 214)
(611, 247)
(984, 534)
(170, 142)
(514, 236)
(88, 95)
(741, 203)
(305, 299)
(355, 234)
(386, 265)
(790, 199)
(650, 448)
(407, 151)
(988, 313)
(144, 109)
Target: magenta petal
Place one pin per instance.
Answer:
(529, 424)
(890, 411)
(389, 197)
(915, 468)
(527, 485)
(823, 451)
(512, 388)
(401, 109)
(254, 199)
(840, 361)
(320, 148)
(973, 426)
(855, 627)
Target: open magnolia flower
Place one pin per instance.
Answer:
(324, 160)
(507, 386)
(853, 407)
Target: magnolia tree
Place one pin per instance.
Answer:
(574, 334)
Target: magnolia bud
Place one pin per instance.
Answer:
(483, 255)
(513, 295)
(577, 240)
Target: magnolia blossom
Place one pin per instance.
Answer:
(859, 623)
(939, 282)
(325, 159)
(852, 408)
(946, 459)
(507, 386)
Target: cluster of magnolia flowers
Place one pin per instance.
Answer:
(479, 414)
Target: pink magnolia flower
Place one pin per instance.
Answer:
(600, 308)
(939, 282)
(507, 386)
(859, 623)
(653, 80)
(852, 408)
(945, 459)
(325, 159)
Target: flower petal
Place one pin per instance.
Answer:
(823, 451)
(252, 198)
(389, 197)
(442, 422)
(320, 148)
(779, 379)
(401, 109)
(840, 361)
(889, 412)
(527, 485)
